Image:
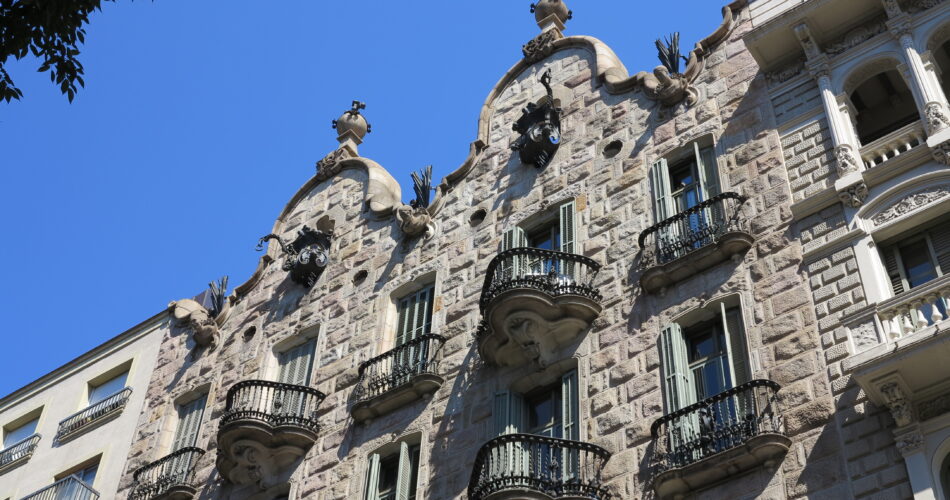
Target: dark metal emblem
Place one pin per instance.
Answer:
(306, 256)
(540, 129)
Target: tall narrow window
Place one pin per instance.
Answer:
(394, 476)
(684, 183)
(107, 388)
(296, 364)
(413, 320)
(189, 423)
(558, 235)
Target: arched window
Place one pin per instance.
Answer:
(883, 103)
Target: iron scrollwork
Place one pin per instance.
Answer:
(307, 255)
(540, 129)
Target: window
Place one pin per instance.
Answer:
(14, 435)
(393, 476)
(414, 317)
(685, 182)
(189, 423)
(101, 391)
(296, 363)
(550, 411)
(85, 474)
(703, 359)
(883, 104)
(557, 234)
(918, 258)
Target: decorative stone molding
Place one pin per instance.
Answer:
(254, 463)
(330, 164)
(908, 443)
(936, 118)
(669, 89)
(911, 202)
(933, 407)
(787, 73)
(415, 222)
(854, 195)
(540, 46)
(892, 8)
(897, 402)
(922, 5)
(844, 157)
(192, 315)
(857, 36)
(941, 152)
(812, 51)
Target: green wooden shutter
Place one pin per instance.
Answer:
(940, 239)
(735, 344)
(894, 272)
(708, 171)
(189, 422)
(404, 475)
(372, 478)
(567, 227)
(296, 364)
(677, 379)
(513, 238)
(508, 413)
(570, 406)
(663, 202)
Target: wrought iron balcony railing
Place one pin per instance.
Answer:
(79, 421)
(552, 466)
(691, 229)
(394, 368)
(273, 403)
(18, 452)
(172, 471)
(724, 421)
(555, 273)
(68, 488)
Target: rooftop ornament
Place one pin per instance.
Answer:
(306, 256)
(351, 127)
(414, 219)
(540, 128)
(667, 85)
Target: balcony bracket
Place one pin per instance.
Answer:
(249, 461)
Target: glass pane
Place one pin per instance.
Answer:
(14, 436)
(388, 475)
(88, 475)
(918, 267)
(107, 388)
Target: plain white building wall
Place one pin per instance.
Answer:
(63, 392)
(763, 10)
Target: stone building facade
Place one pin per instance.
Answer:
(719, 279)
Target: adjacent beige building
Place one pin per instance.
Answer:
(67, 435)
(725, 277)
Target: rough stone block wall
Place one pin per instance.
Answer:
(809, 159)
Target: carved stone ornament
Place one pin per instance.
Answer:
(922, 5)
(787, 73)
(807, 42)
(857, 36)
(540, 129)
(540, 46)
(415, 222)
(669, 89)
(909, 443)
(330, 164)
(192, 315)
(306, 256)
(896, 401)
(854, 195)
(844, 157)
(892, 8)
(911, 202)
(257, 464)
(934, 407)
(936, 118)
(941, 152)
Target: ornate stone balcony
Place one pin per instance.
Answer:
(718, 437)
(893, 144)
(692, 241)
(265, 428)
(533, 302)
(168, 478)
(529, 467)
(68, 488)
(18, 453)
(398, 377)
(94, 415)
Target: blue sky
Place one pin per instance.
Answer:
(200, 119)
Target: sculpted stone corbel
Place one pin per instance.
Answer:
(854, 195)
(192, 315)
(668, 89)
(909, 443)
(936, 117)
(415, 222)
(941, 152)
(897, 402)
(844, 156)
(259, 464)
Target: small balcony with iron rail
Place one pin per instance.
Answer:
(18, 453)
(265, 428)
(731, 432)
(93, 416)
(534, 302)
(398, 377)
(169, 478)
(68, 488)
(533, 467)
(693, 241)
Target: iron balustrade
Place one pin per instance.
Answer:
(94, 412)
(691, 229)
(394, 368)
(552, 272)
(273, 403)
(716, 424)
(156, 478)
(555, 467)
(68, 488)
(21, 450)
